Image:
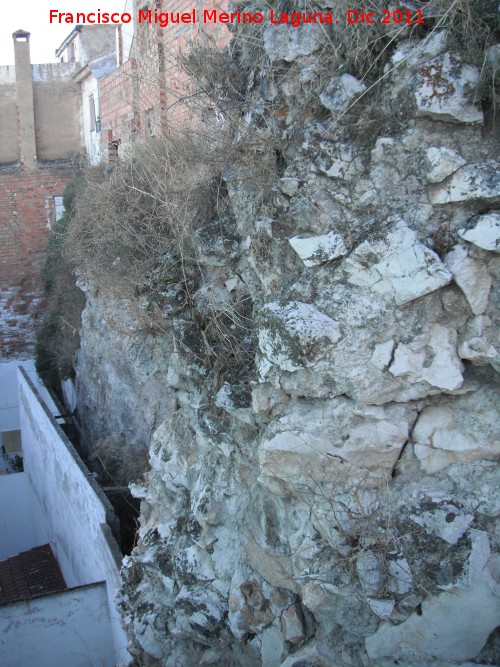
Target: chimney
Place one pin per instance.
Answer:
(24, 89)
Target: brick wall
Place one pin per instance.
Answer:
(164, 87)
(117, 92)
(26, 211)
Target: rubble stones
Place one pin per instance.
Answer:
(443, 89)
(340, 91)
(398, 267)
(486, 232)
(296, 335)
(316, 250)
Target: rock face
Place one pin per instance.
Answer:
(322, 485)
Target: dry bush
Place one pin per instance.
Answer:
(59, 336)
(139, 232)
(145, 210)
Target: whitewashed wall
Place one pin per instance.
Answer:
(9, 404)
(68, 629)
(75, 509)
(92, 137)
(22, 526)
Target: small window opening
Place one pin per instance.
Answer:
(58, 207)
(92, 113)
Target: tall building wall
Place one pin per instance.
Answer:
(165, 88)
(119, 116)
(27, 208)
(39, 137)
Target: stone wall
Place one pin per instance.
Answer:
(333, 502)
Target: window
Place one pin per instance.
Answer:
(92, 113)
(58, 207)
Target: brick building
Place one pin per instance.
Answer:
(150, 91)
(39, 140)
(110, 86)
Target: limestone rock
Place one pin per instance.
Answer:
(477, 343)
(446, 521)
(316, 250)
(371, 572)
(271, 647)
(233, 398)
(293, 624)
(399, 268)
(296, 335)
(443, 433)
(452, 626)
(381, 607)
(470, 183)
(486, 233)
(443, 89)
(444, 162)
(197, 561)
(400, 577)
(345, 164)
(472, 276)
(441, 368)
(289, 186)
(198, 612)
(414, 54)
(282, 42)
(336, 440)
(340, 91)
(382, 354)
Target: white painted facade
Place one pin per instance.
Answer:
(75, 510)
(67, 629)
(21, 521)
(90, 117)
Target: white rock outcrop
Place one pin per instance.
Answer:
(340, 92)
(452, 626)
(443, 435)
(443, 162)
(480, 342)
(443, 91)
(486, 232)
(431, 357)
(472, 276)
(316, 250)
(469, 183)
(318, 399)
(399, 268)
(296, 335)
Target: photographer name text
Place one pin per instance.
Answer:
(215, 16)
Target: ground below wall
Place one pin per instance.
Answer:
(336, 502)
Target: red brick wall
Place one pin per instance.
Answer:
(165, 88)
(26, 211)
(119, 120)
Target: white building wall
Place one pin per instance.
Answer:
(92, 137)
(9, 402)
(74, 508)
(68, 629)
(22, 526)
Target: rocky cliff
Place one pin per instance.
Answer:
(320, 416)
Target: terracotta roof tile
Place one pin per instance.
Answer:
(29, 575)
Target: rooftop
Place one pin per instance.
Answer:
(29, 575)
